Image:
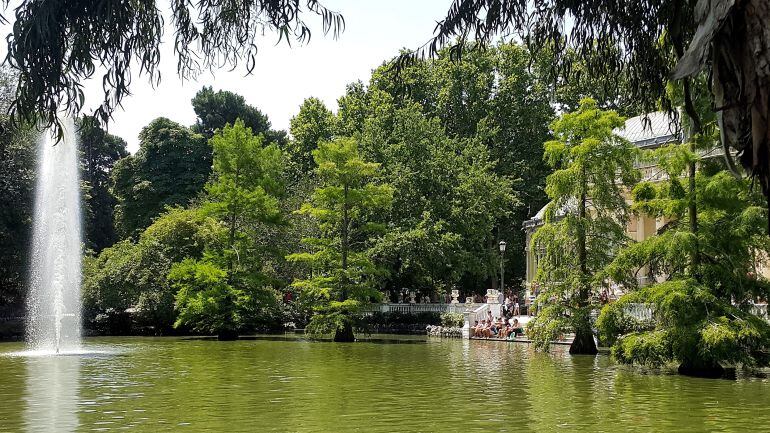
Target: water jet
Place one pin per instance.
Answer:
(53, 303)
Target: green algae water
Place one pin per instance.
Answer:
(387, 384)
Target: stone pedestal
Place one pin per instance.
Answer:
(492, 296)
(455, 296)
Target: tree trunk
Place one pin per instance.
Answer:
(232, 223)
(227, 335)
(698, 368)
(344, 247)
(584, 343)
(695, 131)
(345, 334)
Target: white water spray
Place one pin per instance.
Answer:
(53, 303)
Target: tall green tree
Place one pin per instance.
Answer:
(584, 222)
(447, 199)
(710, 278)
(17, 183)
(312, 125)
(246, 186)
(341, 271)
(228, 289)
(214, 110)
(671, 39)
(134, 274)
(99, 153)
(170, 168)
(498, 96)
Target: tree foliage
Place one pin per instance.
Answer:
(133, 275)
(170, 168)
(99, 153)
(497, 99)
(447, 200)
(641, 45)
(633, 42)
(710, 277)
(341, 271)
(17, 183)
(584, 222)
(312, 125)
(214, 110)
(691, 326)
(58, 45)
(229, 288)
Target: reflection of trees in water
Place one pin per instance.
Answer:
(52, 393)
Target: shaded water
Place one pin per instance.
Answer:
(270, 384)
(53, 303)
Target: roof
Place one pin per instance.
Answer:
(649, 130)
(569, 206)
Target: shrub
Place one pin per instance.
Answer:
(452, 320)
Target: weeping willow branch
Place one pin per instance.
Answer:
(56, 45)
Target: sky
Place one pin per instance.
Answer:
(284, 76)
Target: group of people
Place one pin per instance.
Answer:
(510, 306)
(497, 328)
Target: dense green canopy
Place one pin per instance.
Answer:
(643, 45)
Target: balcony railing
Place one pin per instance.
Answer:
(416, 308)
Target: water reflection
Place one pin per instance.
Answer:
(51, 393)
(154, 385)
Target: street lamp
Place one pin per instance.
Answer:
(502, 269)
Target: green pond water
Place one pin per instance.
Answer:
(388, 384)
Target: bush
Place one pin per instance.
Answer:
(692, 327)
(452, 320)
(134, 274)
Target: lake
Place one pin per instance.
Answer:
(389, 383)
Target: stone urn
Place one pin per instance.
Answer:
(455, 296)
(492, 296)
(412, 295)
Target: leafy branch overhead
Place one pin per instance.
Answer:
(645, 45)
(56, 45)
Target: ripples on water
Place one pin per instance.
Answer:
(287, 384)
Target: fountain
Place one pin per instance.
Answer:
(53, 302)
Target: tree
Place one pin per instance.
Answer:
(133, 275)
(228, 289)
(445, 190)
(100, 151)
(584, 223)
(703, 273)
(493, 96)
(217, 109)
(17, 184)
(312, 125)
(246, 186)
(342, 272)
(56, 55)
(170, 168)
(642, 44)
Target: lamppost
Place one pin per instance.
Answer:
(502, 268)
